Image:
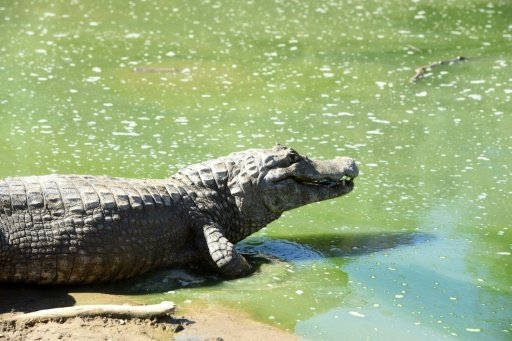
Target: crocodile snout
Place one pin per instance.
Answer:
(348, 166)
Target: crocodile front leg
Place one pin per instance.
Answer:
(221, 253)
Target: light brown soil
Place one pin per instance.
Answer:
(87, 329)
(216, 323)
(196, 323)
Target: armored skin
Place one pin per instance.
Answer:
(65, 229)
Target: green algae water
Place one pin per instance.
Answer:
(421, 249)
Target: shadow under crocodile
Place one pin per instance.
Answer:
(258, 250)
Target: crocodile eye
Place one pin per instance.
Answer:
(294, 157)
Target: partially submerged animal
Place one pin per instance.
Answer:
(62, 229)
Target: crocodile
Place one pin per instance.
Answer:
(82, 229)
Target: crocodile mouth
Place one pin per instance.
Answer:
(344, 181)
(331, 177)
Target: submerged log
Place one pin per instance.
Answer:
(106, 310)
(421, 71)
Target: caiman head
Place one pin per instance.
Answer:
(270, 181)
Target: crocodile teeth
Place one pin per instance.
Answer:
(331, 183)
(345, 180)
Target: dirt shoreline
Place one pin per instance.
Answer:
(195, 322)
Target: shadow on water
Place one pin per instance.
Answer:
(353, 245)
(311, 247)
(258, 250)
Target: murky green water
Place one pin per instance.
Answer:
(421, 249)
